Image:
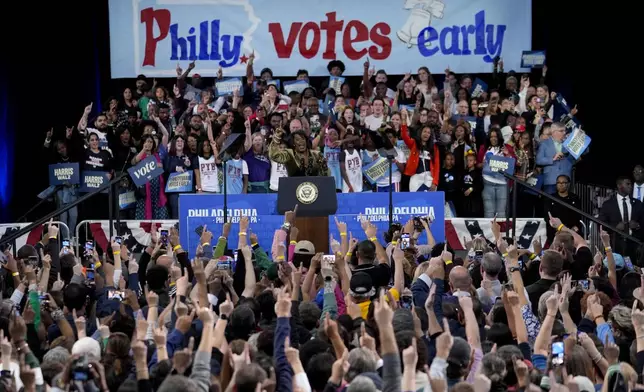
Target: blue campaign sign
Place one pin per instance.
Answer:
(196, 210)
(495, 164)
(228, 86)
(577, 143)
(478, 88)
(64, 174)
(533, 58)
(295, 85)
(374, 207)
(92, 180)
(146, 170)
(179, 182)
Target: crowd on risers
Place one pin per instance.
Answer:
(371, 316)
(438, 136)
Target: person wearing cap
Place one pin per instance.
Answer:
(368, 277)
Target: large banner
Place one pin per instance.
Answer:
(151, 37)
(197, 210)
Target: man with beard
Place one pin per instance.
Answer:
(299, 160)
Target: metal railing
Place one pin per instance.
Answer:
(593, 222)
(109, 186)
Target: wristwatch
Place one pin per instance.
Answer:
(514, 269)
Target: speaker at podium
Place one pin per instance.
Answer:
(316, 200)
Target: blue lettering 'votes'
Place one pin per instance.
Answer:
(188, 45)
(451, 38)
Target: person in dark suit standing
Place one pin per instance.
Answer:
(627, 215)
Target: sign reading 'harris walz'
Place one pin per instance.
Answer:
(150, 37)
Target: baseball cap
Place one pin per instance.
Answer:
(196, 75)
(305, 247)
(361, 285)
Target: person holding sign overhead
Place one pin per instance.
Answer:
(151, 199)
(423, 165)
(554, 158)
(495, 189)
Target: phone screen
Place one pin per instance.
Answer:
(584, 284)
(66, 243)
(557, 353)
(164, 237)
(89, 245)
(404, 241)
(328, 260)
(115, 294)
(119, 240)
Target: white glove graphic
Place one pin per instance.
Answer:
(419, 18)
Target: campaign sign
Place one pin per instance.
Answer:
(295, 85)
(150, 37)
(471, 120)
(64, 174)
(145, 171)
(335, 84)
(377, 170)
(227, 87)
(374, 207)
(179, 182)
(494, 165)
(478, 88)
(207, 209)
(92, 180)
(127, 199)
(533, 58)
(577, 143)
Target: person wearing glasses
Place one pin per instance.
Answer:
(568, 217)
(554, 158)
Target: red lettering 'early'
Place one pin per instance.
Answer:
(299, 32)
(148, 17)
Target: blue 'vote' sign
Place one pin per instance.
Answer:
(146, 170)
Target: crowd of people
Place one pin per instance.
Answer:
(378, 314)
(437, 137)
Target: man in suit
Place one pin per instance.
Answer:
(638, 186)
(627, 215)
(556, 161)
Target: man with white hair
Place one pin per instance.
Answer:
(88, 347)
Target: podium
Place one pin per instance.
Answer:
(316, 200)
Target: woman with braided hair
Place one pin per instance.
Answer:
(299, 158)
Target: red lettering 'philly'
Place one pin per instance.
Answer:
(353, 32)
(151, 17)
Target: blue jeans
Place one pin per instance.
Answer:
(67, 195)
(495, 197)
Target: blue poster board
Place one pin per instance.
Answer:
(207, 209)
(144, 171)
(92, 180)
(64, 174)
(494, 165)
